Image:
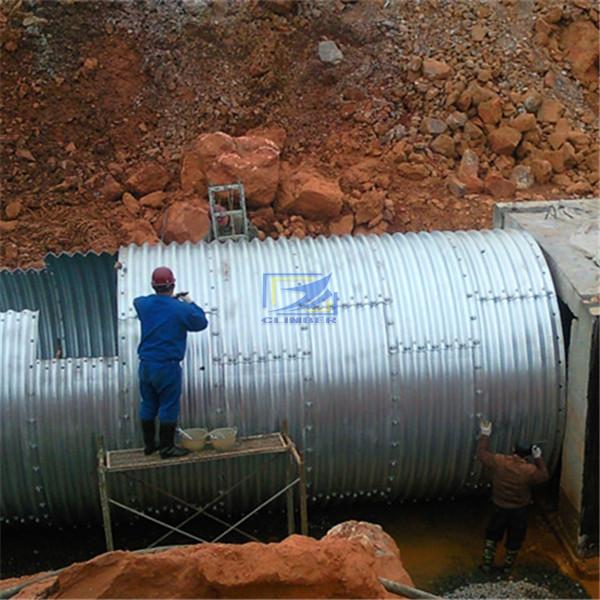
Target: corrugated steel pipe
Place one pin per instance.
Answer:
(430, 331)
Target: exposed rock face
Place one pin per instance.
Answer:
(217, 159)
(311, 195)
(185, 220)
(580, 42)
(413, 94)
(346, 563)
(146, 178)
(389, 563)
(198, 156)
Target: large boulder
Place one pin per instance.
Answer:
(199, 155)
(310, 194)
(147, 178)
(185, 220)
(580, 43)
(218, 159)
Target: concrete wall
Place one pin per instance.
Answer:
(579, 454)
(571, 503)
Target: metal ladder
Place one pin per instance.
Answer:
(238, 216)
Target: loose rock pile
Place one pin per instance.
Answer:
(339, 117)
(346, 563)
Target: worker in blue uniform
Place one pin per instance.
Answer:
(166, 319)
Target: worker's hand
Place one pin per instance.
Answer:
(485, 427)
(536, 452)
(184, 297)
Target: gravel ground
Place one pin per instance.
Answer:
(527, 581)
(501, 589)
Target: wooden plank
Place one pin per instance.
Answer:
(134, 459)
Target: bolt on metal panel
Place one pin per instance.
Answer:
(432, 330)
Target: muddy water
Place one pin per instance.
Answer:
(437, 540)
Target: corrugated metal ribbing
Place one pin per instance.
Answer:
(75, 402)
(34, 290)
(385, 403)
(23, 490)
(433, 330)
(75, 295)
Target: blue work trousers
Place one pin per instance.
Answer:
(160, 388)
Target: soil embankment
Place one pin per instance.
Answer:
(346, 563)
(341, 116)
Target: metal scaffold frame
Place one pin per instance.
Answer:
(124, 462)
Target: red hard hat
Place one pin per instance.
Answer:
(162, 277)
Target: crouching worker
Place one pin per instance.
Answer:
(513, 476)
(165, 318)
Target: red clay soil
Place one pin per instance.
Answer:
(346, 563)
(92, 90)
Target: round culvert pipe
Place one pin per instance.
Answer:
(381, 352)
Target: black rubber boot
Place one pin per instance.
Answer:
(509, 561)
(489, 553)
(168, 449)
(149, 432)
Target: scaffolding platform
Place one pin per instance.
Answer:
(125, 462)
(135, 460)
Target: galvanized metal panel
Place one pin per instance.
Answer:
(23, 494)
(385, 403)
(433, 330)
(76, 297)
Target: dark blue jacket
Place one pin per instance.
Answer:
(165, 323)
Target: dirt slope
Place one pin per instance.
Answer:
(91, 91)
